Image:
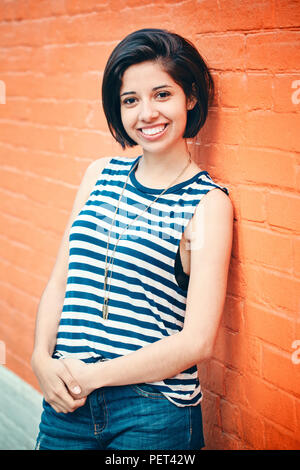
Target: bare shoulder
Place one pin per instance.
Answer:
(215, 207)
(93, 171)
(215, 210)
(97, 165)
(217, 200)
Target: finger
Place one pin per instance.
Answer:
(78, 403)
(66, 401)
(69, 381)
(57, 407)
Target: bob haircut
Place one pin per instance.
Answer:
(177, 56)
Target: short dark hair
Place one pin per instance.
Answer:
(178, 57)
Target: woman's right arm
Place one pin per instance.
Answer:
(54, 378)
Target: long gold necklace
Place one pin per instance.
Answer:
(106, 296)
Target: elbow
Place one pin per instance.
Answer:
(203, 352)
(198, 350)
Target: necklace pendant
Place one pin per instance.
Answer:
(105, 309)
(105, 278)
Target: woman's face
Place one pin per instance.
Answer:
(153, 108)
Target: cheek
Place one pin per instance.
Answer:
(127, 118)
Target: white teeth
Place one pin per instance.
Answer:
(153, 130)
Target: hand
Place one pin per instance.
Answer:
(57, 384)
(83, 374)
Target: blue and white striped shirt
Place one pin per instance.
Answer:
(146, 303)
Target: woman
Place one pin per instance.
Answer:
(135, 299)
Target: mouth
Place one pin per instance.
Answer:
(153, 133)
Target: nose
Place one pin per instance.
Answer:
(148, 112)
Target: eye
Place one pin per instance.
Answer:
(129, 101)
(163, 94)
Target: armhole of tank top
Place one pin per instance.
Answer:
(92, 189)
(181, 277)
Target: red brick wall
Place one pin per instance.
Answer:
(52, 55)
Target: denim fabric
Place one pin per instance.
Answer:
(129, 417)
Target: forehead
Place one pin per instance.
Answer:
(145, 75)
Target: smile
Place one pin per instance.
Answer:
(153, 132)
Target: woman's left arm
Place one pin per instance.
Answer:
(210, 245)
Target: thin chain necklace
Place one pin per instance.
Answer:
(111, 261)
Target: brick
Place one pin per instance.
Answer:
(223, 441)
(43, 191)
(286, 14)
(268, 325)
(19, 301)
(296, 257)
(236, 284)
(208, 16)
(41, 216)
(264, 166)
(265, 247)
(30, 136)
(228, 131)
(231, 418)
(43, 164)
(24, 257)
(270, 402)
(252, 431)
(233, 89)
(246, 91)
(283, 210)
(83, 6)
(252, 204)
(21, 367)
(272, 289)
(72, 59)
(297, 401)
(286, 93)
(82, 86)
(247, 15)
(216, 79)
(52, 57)
(23, 232)
(56, 59)
(276, 51)
(234, 386)
(19, 333)
(238, 351)
(210, 411)
(215, 377)
(222, 161)
(232, 314)
(23, 280)
(67, 114)
(222, 51)
(279, 369)
(277, 438)
(272, 130)
(259, 91)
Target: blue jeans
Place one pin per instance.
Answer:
(128, 417)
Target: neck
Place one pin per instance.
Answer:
(167, 163)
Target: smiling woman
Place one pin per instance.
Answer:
(130, 334)
(154, 113)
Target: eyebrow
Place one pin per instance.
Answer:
(153, 89)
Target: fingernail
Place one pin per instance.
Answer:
(76, 389)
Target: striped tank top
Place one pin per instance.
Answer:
(146, 301)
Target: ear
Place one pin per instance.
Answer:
(191, 103)
(192, 100)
